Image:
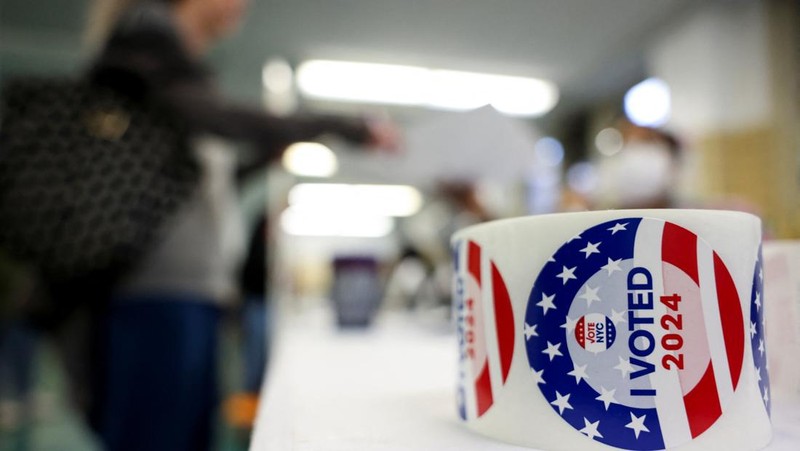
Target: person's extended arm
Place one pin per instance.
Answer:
(206, 112)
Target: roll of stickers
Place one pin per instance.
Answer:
(782, 288)
(632, 329)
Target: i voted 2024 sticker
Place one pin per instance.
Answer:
(634, 334)
(480, 299)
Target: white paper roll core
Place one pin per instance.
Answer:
(632, 329)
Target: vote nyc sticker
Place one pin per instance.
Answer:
(634, 334)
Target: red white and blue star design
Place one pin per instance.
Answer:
(756, 333)
(605, 327)
(480, 300)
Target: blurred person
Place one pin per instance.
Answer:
(455, 205)
(406, 279)
(257, 310)
(646, 173)
(18, 343)
(154, 386)
(641, 175)
(257, 319)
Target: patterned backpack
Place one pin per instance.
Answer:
(88, 177)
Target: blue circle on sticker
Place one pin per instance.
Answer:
(634, 334)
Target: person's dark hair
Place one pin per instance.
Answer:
(671, 141)
(632, 131)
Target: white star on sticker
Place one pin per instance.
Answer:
(766, 395)
(530, 331)
(617, 227)
(552, 351)
(566, 274)
(590, 429)
(607, 397)
(537, 376)
(624, 366)
(761, 274)
(758, 374)
(579, 373)
(591, 248)
(590, 295)
(637, 424)
(611, 266)
(562, 402)
(546, 303)
(570, 324)
(752, 329)
(761, 346)
(618, 317)
(758, 301)
(576, 237)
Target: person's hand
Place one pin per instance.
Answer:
(383, 135)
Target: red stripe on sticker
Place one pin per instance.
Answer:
(483, 390)
(474, 261)
(702, 403)
(504, 321)
(679, 247)
(730, 312)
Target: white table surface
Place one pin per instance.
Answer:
(391, 387)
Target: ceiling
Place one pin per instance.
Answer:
(588, 48)
(591, 49)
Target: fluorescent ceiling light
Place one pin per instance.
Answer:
(318, 223)
(419, 86)
(342, 199)
(648, 103)
(310, 159)
(362, 82)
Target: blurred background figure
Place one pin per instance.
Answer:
(257, 312)
(406, 280)
(420, 279)
(160, 333)
(18, 345)
(645, 173)
(256, 318)
(152, 373)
